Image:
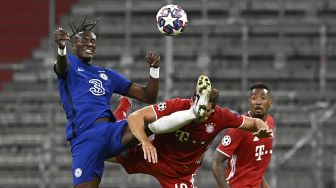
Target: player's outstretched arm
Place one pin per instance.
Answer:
(149, 92)
(257, 126)
(60, 37)
(218, 169)
(136, 122)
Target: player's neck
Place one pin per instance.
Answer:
(264, 117)
(86, 62)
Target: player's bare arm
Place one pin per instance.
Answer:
(149, 92)
(264, 183)
(136, 122)
(257, 126)
(60, 37)
(218, 169)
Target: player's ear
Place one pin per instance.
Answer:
(270, 101)
(249, 102)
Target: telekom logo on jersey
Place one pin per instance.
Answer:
(182, 136)
(260, 151)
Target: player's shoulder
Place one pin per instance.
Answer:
(72, 58)
(171, 105)
(225, 110)
(270, 117)
(235, 134)
(270, 120)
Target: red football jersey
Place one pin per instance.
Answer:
(248, 155)
(185, 148)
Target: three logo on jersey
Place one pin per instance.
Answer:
(98, 88)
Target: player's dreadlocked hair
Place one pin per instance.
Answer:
(84, 27)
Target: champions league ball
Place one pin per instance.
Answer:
(171, 20)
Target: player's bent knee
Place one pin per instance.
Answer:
(127, 138)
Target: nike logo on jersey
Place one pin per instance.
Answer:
(79, 69)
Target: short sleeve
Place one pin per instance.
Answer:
(122, 84)
(230, 118)
(170, 106)
(230, 142)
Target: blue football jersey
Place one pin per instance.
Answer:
(86, 91)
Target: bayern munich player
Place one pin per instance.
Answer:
(173, 158)
(248, 156)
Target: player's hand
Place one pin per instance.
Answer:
(149, 150)
(153, 59)
(60, 37)
(264, 133)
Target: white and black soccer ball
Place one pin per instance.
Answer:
(171, 20)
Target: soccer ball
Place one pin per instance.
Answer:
(171, 20)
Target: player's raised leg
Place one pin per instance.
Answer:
(203, 90)
(177, 119)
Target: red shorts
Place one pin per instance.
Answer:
(134, 162)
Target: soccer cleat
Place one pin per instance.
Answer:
(203, 90)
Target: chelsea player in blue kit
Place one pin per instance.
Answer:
(85, 91)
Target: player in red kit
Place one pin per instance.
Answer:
(248, 156)
(175, 154)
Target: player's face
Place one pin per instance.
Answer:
(86, 45)
(209, 110)
(259, 102)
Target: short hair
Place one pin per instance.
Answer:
(214, 95)
(259, 85)
(84, 27)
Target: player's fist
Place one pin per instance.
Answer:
(60, 37)
(153, 59)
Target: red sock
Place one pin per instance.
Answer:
(123, 108)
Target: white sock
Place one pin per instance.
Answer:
(172, 122)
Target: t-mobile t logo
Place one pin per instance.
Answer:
(259, 152)
(182, 136)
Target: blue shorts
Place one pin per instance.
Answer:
(91, 148)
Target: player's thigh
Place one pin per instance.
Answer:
(92, 184)
(88, 155)
(133, 162)
(177, 182)
(114, 137)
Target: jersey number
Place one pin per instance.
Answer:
(182, 185)
(97, 88)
